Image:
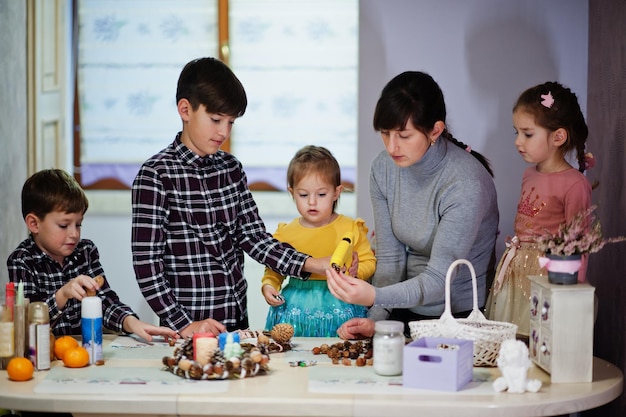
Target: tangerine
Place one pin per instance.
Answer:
(20, 369)
(76, 357)
(63, 344)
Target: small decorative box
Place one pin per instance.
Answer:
(438, 363)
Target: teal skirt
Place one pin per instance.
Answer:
(312, 310)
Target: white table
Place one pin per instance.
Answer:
(287, 391)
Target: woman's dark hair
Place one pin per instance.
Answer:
(553, 106)
(415, 96)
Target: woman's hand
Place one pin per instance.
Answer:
(272, 297)
(356, 328)
(350, 290)
(354, 267)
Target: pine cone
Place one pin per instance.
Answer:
(218, 357)
(282, 332)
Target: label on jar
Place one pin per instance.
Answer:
(388, 353)
(39, 345)
(7, 347)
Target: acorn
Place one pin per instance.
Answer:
(247, 367)
(282, 332)
(218, 369)
(169, 361)
(208, 369)
(256, 356)
(195, 371)
(263, 339)
(184, 364)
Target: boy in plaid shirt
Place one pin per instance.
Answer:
(57, 267)
(194, 216)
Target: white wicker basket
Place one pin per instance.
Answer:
(487, 335)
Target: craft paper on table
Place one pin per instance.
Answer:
(127, 347)
(339, 379)
(109, 380)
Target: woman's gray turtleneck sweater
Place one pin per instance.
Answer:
(438, 210)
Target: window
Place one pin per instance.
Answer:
(130, 54)
(296, 59)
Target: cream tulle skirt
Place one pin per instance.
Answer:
(511, 302)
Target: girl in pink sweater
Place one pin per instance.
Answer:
(549, 124)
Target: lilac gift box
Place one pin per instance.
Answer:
(438, 363)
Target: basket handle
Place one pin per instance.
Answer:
(476, 314)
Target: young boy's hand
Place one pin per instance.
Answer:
(316, 265)
(145, 330)
(272, 297)
(75, 288)
(203, 326)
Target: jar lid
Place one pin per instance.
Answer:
(38, 312)
(389, 326)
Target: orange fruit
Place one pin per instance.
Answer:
(63, 344)
(20, 369)
(76, 357)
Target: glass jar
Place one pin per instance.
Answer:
(39, 335)
(388, 347)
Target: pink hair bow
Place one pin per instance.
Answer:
(547, 100)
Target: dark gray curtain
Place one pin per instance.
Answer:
(606, 117)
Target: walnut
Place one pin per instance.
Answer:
(100, 281)
(334, 353)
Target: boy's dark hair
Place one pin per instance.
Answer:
(417, 97)
(210, 82)
(52, 189)
(564, 112)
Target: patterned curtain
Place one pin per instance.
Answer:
(296, 59)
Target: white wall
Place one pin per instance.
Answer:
(13, 129)
(483, 53)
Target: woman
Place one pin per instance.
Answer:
(434, 201)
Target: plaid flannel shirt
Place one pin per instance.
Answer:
(192, 220)
(43, 277)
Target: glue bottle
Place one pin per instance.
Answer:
(39, 335)
(91, 325)
(342, 255)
